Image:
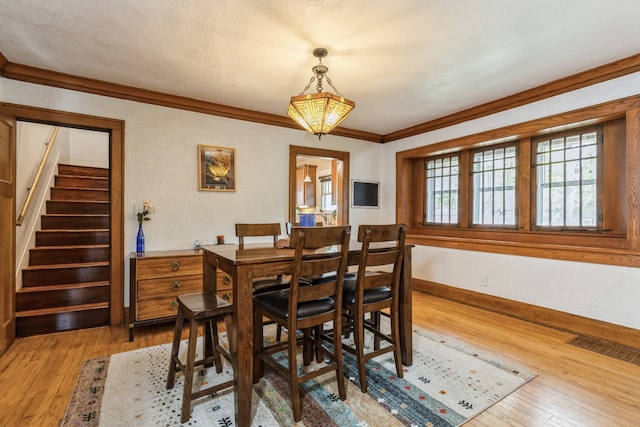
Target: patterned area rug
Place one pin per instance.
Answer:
(448, 384)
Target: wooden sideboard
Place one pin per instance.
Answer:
(157, 278)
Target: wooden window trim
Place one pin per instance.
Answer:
(619, 247)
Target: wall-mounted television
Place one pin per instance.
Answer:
(365, 194)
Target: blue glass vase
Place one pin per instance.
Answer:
(140, 240)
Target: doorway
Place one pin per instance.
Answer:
(301, 162)
(115, 129)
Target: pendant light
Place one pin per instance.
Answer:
(307, 178)
(321, 112)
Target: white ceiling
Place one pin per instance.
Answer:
(404, 62)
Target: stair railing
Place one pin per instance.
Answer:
(36, 179)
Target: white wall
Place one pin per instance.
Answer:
(596, 291)
(161, 164)
(31, 143)
(89, 148)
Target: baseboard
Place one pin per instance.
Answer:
(535, 314)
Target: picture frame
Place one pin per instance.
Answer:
(216, 168)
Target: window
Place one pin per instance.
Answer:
(494, 186)
(325, 194)
(566, 180)
(561, 187)
(442, 190)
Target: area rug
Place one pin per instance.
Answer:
(448, 384)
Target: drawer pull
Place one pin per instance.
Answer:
(176, 285)
(227, 280)
(226, 297)
(175, 266)
(173, 305)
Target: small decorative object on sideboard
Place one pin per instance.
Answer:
(147, 208)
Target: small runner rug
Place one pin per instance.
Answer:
(448, 384)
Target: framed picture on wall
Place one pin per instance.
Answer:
(216, 168)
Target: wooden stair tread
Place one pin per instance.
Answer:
(67, 309)
(70, 265)
(76, 215)
(73, 230)
(33, 289)
(64, 175)
(67, 247)
(82, 189)
(106, 202)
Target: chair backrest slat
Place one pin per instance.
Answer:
(257, 230)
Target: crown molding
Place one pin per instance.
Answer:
(99, 87)
(586, 78)
(599, 74)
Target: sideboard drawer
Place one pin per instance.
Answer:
(169, 286)
(224, 286)
(156, 308)
(169, 266)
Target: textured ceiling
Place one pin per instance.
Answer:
(403, 62)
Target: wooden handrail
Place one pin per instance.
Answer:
(36, 179)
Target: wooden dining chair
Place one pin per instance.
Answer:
(262, 284)
(305, 308)
(375, 288)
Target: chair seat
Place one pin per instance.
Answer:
(370, 295)
(261, 286)
(278, 303)
(329, 277)
(204, 305)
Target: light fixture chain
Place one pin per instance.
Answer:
(331, 84)
(319, 84)
(308, 86)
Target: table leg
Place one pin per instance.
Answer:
(243, 331)
(209, 284)
(406, 306)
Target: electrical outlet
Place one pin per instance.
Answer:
(484, 281)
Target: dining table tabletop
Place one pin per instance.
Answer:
(266, 260)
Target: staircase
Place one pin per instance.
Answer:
(66, 285)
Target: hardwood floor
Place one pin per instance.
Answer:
(575, 387)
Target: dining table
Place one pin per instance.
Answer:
(264, 260)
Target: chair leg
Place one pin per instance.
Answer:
(175, 348)
(395, 336)
(308, 346)
(358, 337)
(375, 320)
(189, 368)
(337, 355)
(293, 379)
(258, 346)
(231, 340)
(318, 343)
(213, 330)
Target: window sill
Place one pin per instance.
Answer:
(610, 255)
